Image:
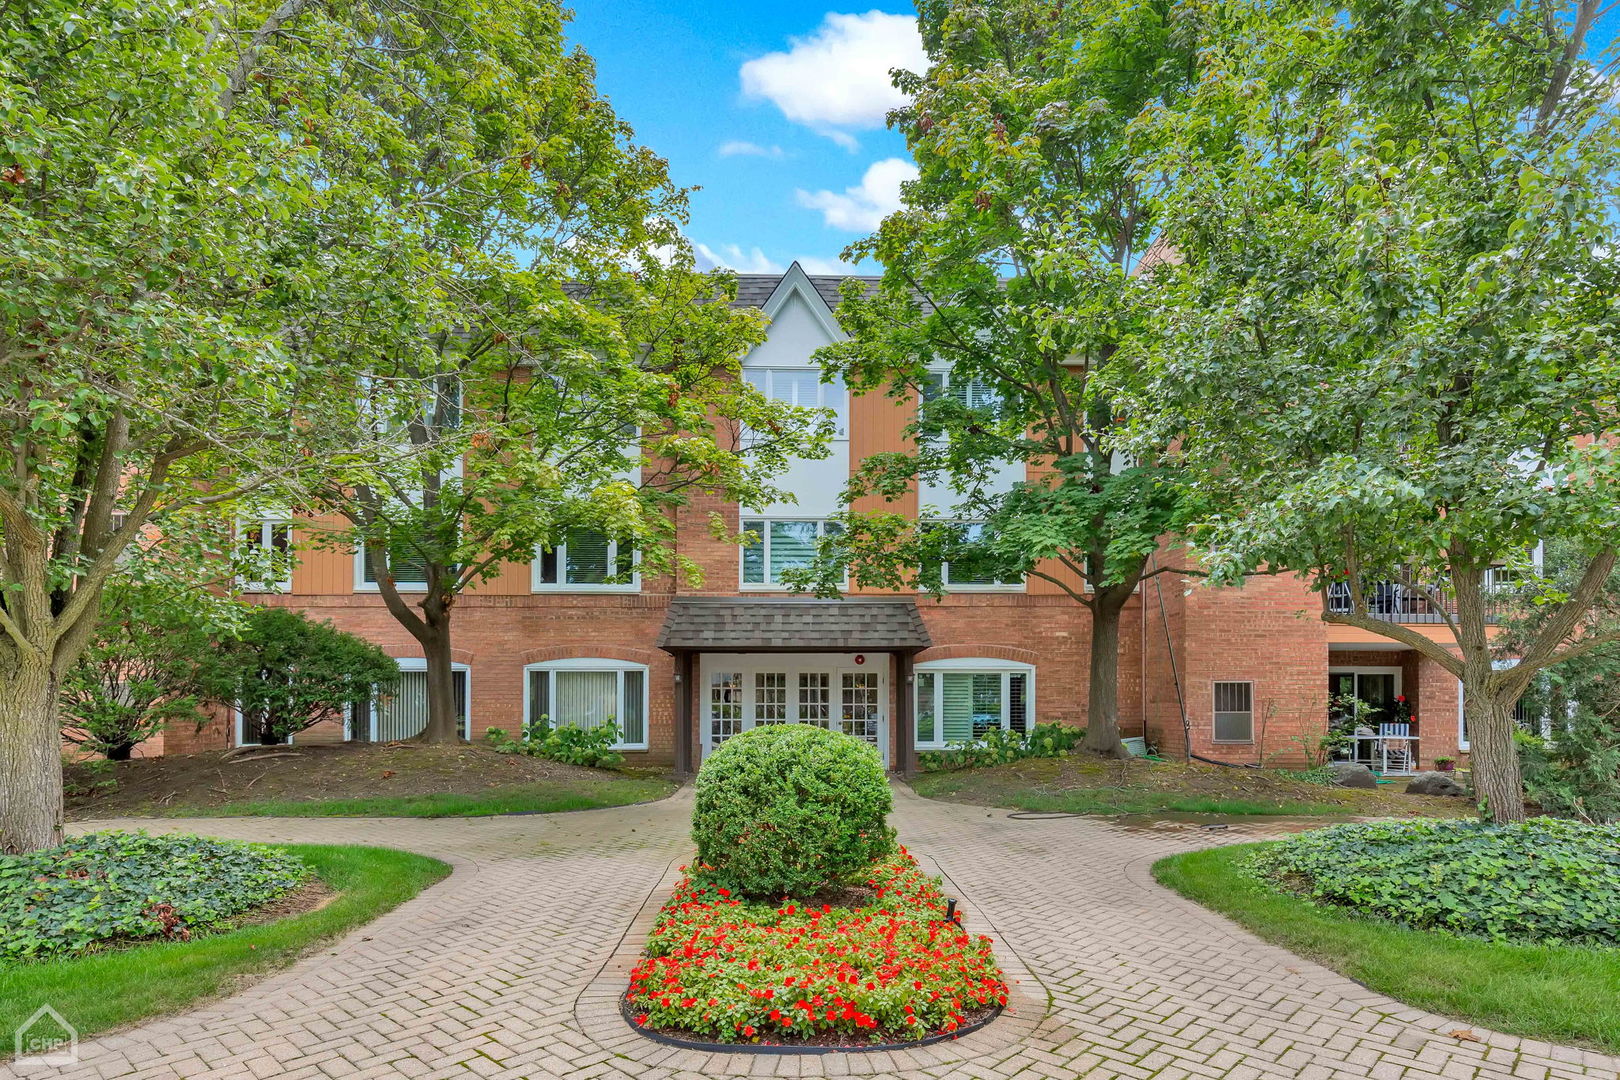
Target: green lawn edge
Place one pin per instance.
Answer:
(1104, 801)
(536, 798)
(110, 989)
(1553, 993)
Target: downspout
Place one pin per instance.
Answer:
(1175, 671)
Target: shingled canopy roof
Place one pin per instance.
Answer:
(749, 624)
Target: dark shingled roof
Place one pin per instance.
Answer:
(754, 289)
(745, 624)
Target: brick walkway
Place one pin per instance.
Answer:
(507, 969)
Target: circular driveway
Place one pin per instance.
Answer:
(504, 968)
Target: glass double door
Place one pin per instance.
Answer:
(846, 694)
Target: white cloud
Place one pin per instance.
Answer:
(861, 208)
(743, 148)
(733, 257)
(838, 78)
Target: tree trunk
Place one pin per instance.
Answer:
(30, 759)
(1498, 783)
(443, 726)
(121, 752)
(1102, 706)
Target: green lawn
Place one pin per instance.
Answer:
(540, 798)
(1556, 993)
(1086, 784)
(107, 989)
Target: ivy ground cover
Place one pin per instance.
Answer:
(877, 963)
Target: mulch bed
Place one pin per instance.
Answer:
(347, 771)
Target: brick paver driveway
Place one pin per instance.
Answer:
(507, 969)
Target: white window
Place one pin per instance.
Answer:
(802, 387)
(266, 547)
(965, 570)
(406, 565)
(969, 391)
(960, 700)
(587, 562)
(780, 544)
(402, 711)
(1234, 712)
(589, 693)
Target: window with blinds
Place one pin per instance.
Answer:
(803, 388)
(592, 697)
(406, 566)
(1234, 712)
(776, 545)
(402, 712)
(587, 560)
(958, 706)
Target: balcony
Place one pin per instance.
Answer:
(1396, 602)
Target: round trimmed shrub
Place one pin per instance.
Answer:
(790, 809)
(1546, 880)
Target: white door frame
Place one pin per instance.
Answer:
(834, 665)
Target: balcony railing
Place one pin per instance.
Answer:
(1403, 603)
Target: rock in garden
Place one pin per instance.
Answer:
(1349, 774)
(1434, 783)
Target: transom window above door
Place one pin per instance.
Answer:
(780, 544)
(587, 561)
(803, 388)
(961, 700)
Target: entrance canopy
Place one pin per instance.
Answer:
(771, 624)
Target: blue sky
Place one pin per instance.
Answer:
(773, 109)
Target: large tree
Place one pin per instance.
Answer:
(1391, 343)
(567, 371)
(1008, 290)
(144, 373)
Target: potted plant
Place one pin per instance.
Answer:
(1445, 764)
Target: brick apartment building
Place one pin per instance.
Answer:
(1246, 673)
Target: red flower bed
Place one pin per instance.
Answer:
(891, 969)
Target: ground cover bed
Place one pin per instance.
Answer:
(1515, 928)
(115, 927)
(877, 962)
(349, 780)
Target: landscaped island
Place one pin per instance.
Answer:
(1513, 927)
(802, 922)
(113, 927)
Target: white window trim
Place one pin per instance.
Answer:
(764, 547)
(592, 663)
(539, 586)
(1252, 710)
(976, 666)
(824, 390)
(1021, 585)
(263, 523)
(362, 585)
(417, 663)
